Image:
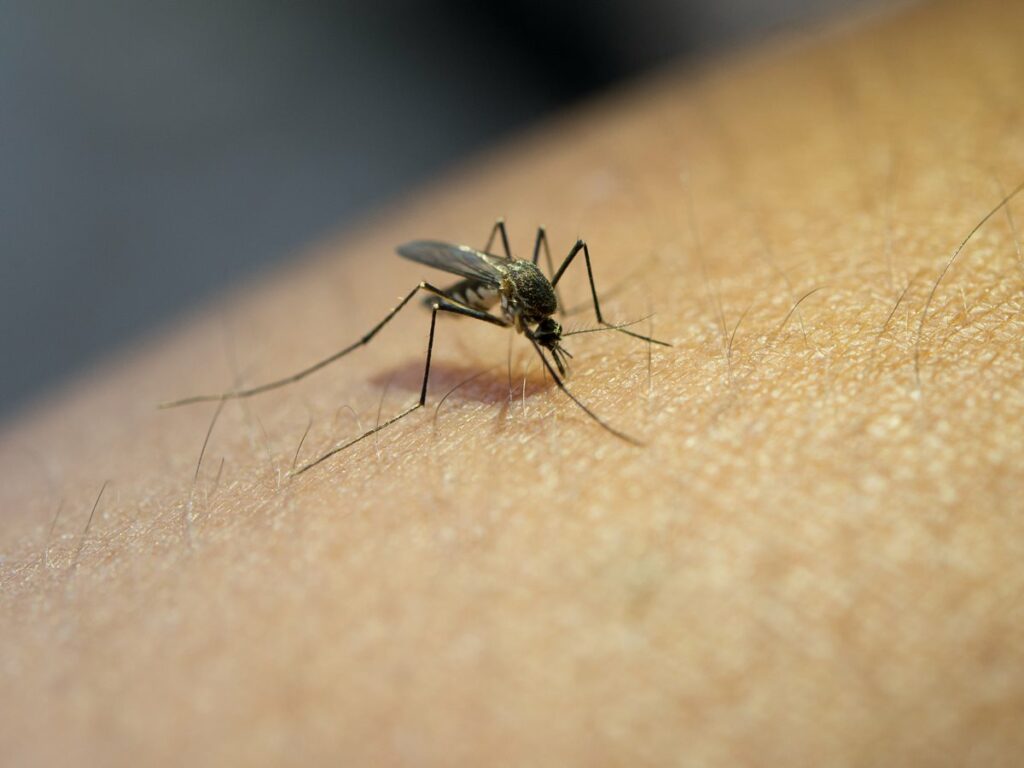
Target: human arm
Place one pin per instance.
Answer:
(814, 558)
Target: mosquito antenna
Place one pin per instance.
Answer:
(579, 403)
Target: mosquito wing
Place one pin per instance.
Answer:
(457, 259)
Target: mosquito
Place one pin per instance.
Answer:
(527, 298)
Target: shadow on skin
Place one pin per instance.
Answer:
(464, 382)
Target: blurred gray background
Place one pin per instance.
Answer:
(153, 151)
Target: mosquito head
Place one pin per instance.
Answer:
(548, 334)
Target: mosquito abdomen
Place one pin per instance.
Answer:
(470, 293)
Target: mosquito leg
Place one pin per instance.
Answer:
(542, 239)
(367, 337)
(440, 306)
(582, 246)
(499, 226)
(579, 403)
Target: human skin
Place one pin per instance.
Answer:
(815, 558)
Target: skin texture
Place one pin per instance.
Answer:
(817, 557)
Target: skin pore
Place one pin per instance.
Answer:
(817, 557)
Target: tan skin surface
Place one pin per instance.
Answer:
(817, 558)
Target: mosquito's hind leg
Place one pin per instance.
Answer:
(442, 305)
(581, 245)
(366, 338)
(499, 226)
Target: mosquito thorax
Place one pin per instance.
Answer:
(527, 292)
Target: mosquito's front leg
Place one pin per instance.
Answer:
(581, 245)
